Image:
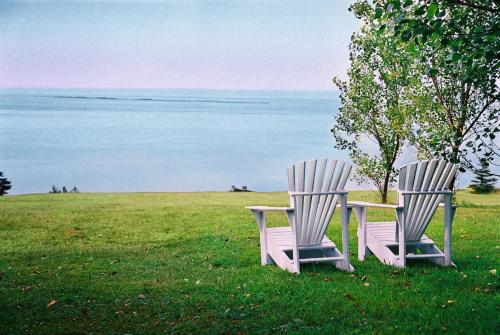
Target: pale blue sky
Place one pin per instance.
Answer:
(174, 44)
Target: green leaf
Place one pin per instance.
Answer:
(420, 10)
(432, 10)
(406, 35)
(412, 48)
(396, 4)
(378, 13)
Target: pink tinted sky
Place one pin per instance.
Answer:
(175, 44)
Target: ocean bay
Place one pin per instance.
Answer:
(126, 140)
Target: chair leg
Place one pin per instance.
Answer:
(448, 218)
(360, 213)
(265, 258)
(295, 249)
(346, 213)
(401, 261)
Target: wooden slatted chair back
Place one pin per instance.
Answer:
(434, 175)
(313, 212)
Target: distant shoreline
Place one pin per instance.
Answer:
(195, 192)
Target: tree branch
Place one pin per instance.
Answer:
(441, 99)
(478, 116)
(473, 5)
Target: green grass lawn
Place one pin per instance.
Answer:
(189, 263)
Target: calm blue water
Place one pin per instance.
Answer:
(160, 140)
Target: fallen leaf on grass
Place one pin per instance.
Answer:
(448, 303)
(366, 284)
(141, 296)
(51, 303)
(27, 288)
(493, 272)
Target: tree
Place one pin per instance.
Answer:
(54, 189)
(64, 190)
(454, 118)
(484, 181)
(5, 184)
(457, 43)
(375, 102)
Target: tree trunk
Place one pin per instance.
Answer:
(383, 192)
(454, 158)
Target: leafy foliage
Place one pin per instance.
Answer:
(375, 103)
(5, 184)
(467, 32)
(458, 45)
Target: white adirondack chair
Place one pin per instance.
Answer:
(422, 187)
(315, 188)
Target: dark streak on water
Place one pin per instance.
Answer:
(164, 100)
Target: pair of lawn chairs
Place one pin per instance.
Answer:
(316, 187)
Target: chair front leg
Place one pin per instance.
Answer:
(260, 217)
(295, 248)
(449, 212)
(400, 214)
(346, 213)
(360, 213)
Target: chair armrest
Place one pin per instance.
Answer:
(296, 194)
(269, 209)
(427, 192)
(370, 204)
(452, 206)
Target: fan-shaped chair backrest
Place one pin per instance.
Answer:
(434, 175)
(313, 212)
